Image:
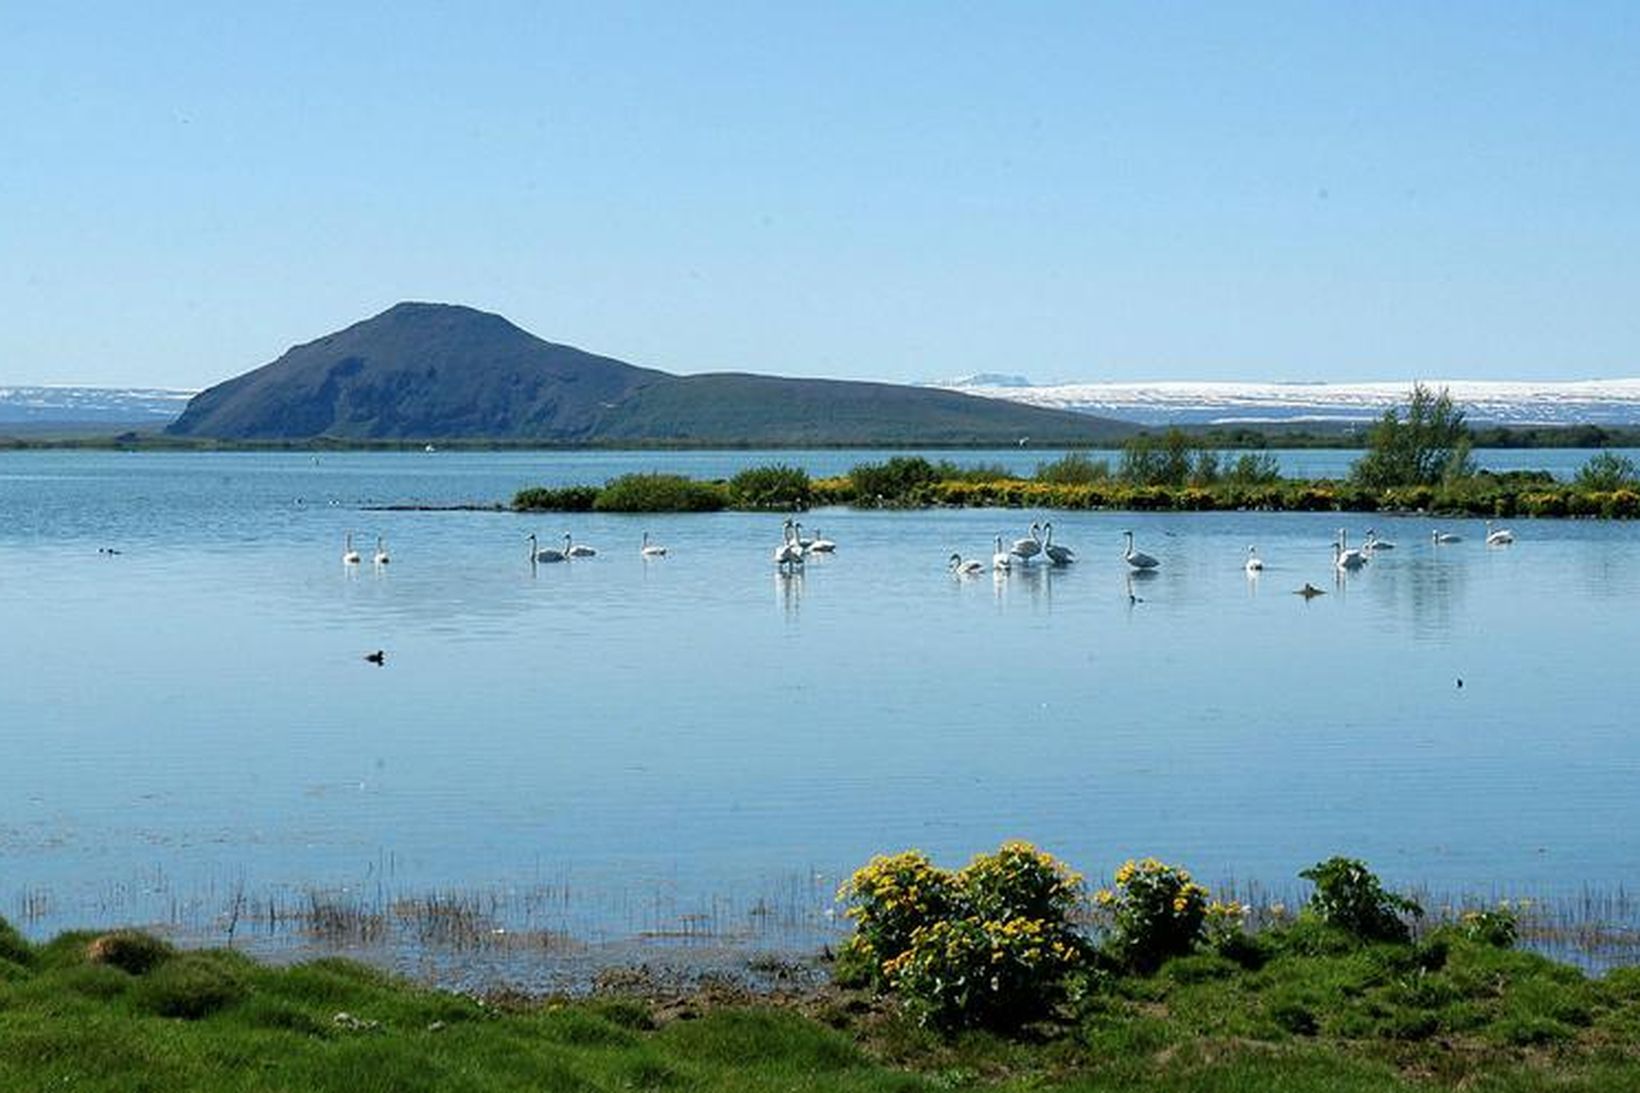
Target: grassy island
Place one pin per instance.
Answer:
(1079, 482)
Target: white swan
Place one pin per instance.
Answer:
(651, 550)
(546, 554)
(1138, 559)
(573, 549)
(970, 568)
(1445, 537)
(381, 557)
(820, 544)
(349, 555)
(805, 545)
(1028, 548)
(1255, 564)
(788, 556)
(1374, 544)
(1500, 537)
(1345, 557)
(1058, 555)
(1002, 560)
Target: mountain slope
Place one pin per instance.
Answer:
(738, 408)
(414, 371)
(438, 371)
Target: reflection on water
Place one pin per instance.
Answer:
(197, 718)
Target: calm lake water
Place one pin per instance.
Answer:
(696, 746)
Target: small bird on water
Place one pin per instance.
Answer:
(1310, 591)
(379, 657)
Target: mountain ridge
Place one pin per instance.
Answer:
(428, 371)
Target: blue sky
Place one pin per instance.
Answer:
(898, 191)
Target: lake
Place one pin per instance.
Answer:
(695, 748)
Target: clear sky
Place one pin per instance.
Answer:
(903, 191)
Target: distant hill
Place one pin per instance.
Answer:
(423, 371)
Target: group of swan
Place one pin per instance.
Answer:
(1039, 541)
(795, 546)
(572, 549)
(1494, 536)
(351, 556)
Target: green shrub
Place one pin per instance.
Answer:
(1158, 912)
(1350, 898)
(771, 487)
(129, 950)
(1606, 471)
(14, 946)
(1498, 927)
(1074, 469)
(567, 499)
(191, 986)
(947, 471)
(902, 480)
(659, 493)
(1254, 469)
(975, 972)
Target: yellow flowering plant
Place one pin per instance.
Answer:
(988, 945)
(975, 972)
(1156, 912)
(889, 899)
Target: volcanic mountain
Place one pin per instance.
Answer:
(421, 371)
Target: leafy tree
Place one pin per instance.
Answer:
(771, 487)
(1607, 471)
(1429, 446)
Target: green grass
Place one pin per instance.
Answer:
(1314, 1014)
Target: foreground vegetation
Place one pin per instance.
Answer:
(988, 977)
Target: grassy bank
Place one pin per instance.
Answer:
(1304, 1009)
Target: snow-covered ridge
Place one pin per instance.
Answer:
(53, 403)
(1596, 402)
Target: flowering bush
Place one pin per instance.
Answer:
(989, 945)
(1158, 912)
(1019, 881)
(1348, 896)
(889, 900)
(986, 972)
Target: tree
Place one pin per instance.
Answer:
(1430, 446)
(1607, 471)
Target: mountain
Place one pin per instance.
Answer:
(418, 371)
(1614, 402)
(422, 371)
